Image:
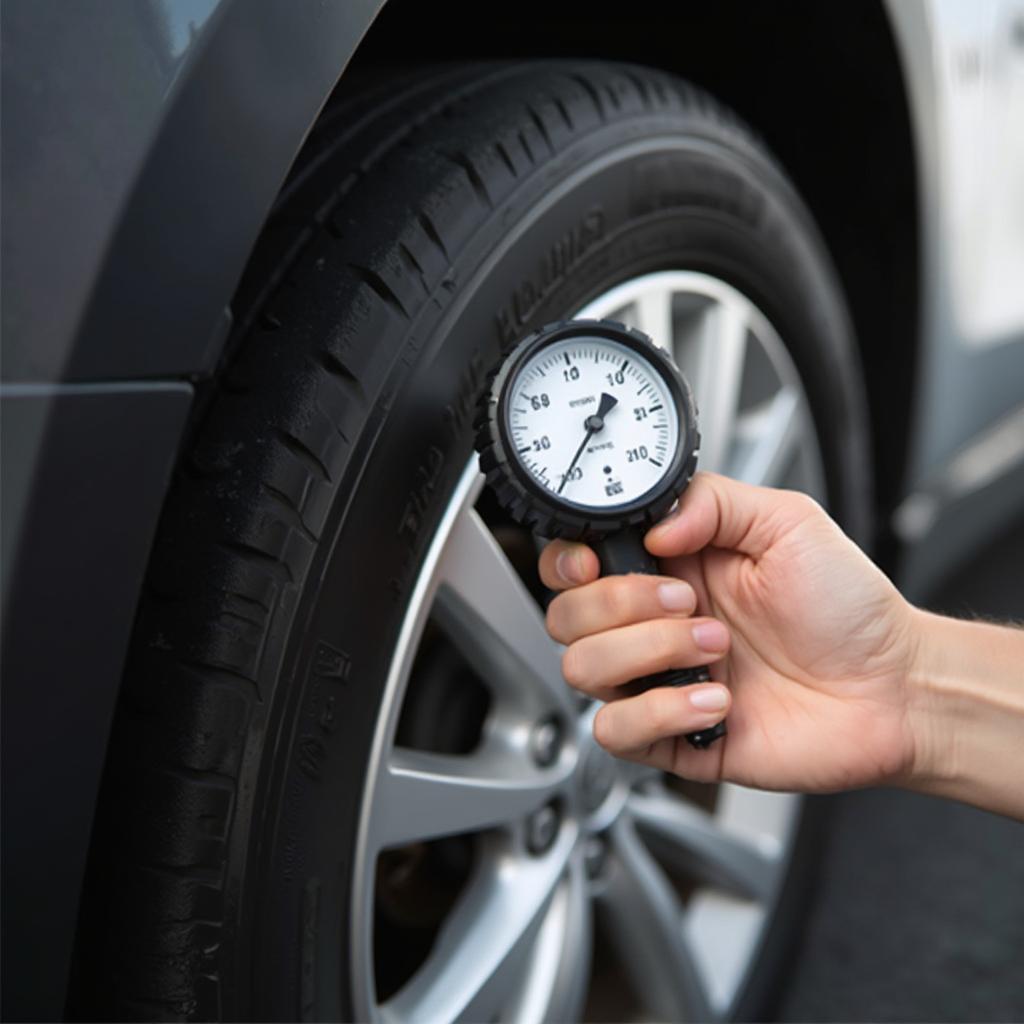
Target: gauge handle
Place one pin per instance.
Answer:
(624, 552)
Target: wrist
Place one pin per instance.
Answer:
(929, 700)
(965, 709)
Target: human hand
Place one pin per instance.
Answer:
(812, 642)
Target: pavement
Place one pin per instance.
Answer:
(918, 910)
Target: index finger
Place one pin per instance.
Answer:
(565, 564)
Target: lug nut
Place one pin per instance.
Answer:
(541, 829)
(546, 741)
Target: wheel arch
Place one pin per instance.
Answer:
(219, 146)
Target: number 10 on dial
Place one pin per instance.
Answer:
(589, 432)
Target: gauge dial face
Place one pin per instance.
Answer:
(592, 421)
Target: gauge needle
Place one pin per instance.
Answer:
(592, 424)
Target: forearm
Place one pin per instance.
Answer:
(966, 710)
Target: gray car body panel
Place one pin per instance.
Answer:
(144, 144)
(137, 185)
(100, 456)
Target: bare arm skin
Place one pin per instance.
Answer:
(830, 679)
(967, 704)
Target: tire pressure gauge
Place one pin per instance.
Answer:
(589, 432)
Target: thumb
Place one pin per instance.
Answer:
(725, 513)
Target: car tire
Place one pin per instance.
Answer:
(430, 222)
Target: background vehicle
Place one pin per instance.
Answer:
(257, 258)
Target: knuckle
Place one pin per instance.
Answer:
(665, 642)
(661, 711)
(574, 666)
(805, 504)
(618, 598)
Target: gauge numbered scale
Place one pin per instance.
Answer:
(589, 432)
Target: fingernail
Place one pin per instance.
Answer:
(677, 597)
(709, 698)
(711, 636)
(568, 566)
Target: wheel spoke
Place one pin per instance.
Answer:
(644, 920)
(692, 837)
(717, 387)
(485, 608)
(652, 314)
(773, 432)
(481, 953)
(423, 795)
(554, 986)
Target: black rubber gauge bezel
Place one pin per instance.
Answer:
(527, 501)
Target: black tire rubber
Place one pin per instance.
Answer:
(429, 224)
